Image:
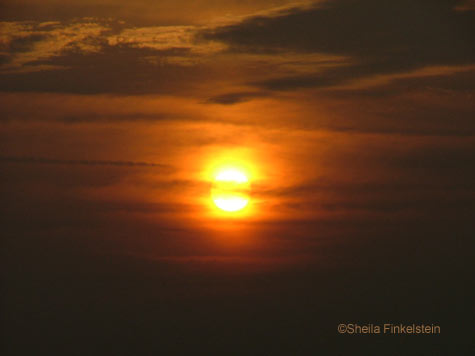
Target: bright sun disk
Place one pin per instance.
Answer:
(230, 191)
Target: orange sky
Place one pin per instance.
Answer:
(354, 119)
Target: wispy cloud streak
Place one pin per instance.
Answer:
(44, 160)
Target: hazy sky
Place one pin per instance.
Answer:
(356, 119)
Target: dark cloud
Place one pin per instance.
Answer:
(235, 98)
(301, 81)
(18, 45)
(460, 83)
(378, 38)
(120, 69)
(24, 44)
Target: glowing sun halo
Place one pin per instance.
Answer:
(230, 191)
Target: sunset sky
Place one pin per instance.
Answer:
(353, 121)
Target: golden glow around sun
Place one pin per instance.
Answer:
(230, 191)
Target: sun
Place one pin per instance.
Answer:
(230, 190)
